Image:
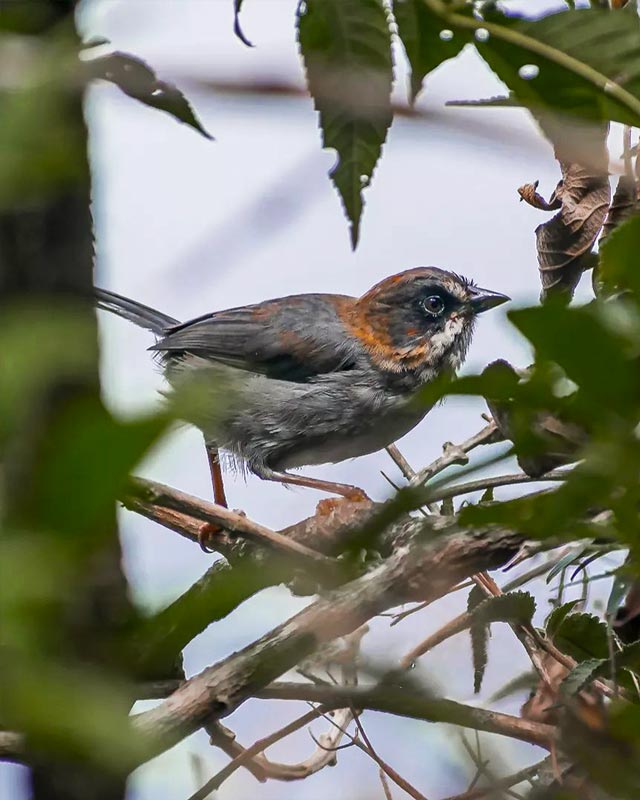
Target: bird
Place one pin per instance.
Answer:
(310, 379)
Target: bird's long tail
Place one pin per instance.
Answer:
(135, 312)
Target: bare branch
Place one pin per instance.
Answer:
(149, 493)
(500, 480)
(504, 783)
(407, 703)
(457, 454)
(416, 570)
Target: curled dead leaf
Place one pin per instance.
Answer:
(564, 242)
(529, 194)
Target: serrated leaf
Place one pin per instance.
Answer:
(479, 634)
(587, 60)
(557, 616)
(419, 29)
(136, 79)
(237, 29)
(581, 675)
(514, 607)
(629, 657)
(582, 636)
(346, 48)
(526, 680)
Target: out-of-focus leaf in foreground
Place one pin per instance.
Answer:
(86, 451)
(619, 266)
(346, 48)
(72, 712)
(39, 159)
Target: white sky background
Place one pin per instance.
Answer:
(191, 226)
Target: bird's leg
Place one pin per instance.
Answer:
(346, 490)
(208, 530)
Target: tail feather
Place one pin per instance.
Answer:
(135, 312)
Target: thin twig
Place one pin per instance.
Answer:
(250, 752)
(503, 783)
(418, 705)
(463, 621)
(408, 471)
(457, 454)
(366, 746)
(493, 482)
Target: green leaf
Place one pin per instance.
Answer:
(346, 48)
(419, 29)
(526, 681)
(93, 453)
(136, 79)
(588, 61)
(586, 349)
(627, 659)
(582, 636)
(557, 617)
(621, 584)
(581, 675)
(618, 266)
(479, 633)
(514, 607)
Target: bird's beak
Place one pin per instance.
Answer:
(482, 299)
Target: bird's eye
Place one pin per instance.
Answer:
(433, 304)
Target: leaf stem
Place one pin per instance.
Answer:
(522, 40)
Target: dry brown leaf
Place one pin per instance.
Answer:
(564, 243)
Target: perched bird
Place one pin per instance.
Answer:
(317, 378)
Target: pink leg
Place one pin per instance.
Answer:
(208, 531)
(342, 489)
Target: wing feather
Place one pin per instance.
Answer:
(293, 338)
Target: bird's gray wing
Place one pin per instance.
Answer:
(293, 338)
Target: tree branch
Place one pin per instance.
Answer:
(416, 705)
(416, 570)
(147, 495)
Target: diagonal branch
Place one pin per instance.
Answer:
(144, 493)
(416, 570)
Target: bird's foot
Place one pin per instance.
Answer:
(209, 532)
(206, 534)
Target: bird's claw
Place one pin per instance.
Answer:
(207, 532)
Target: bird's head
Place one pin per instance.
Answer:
(421, 320)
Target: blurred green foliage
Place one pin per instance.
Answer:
(66, 460)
